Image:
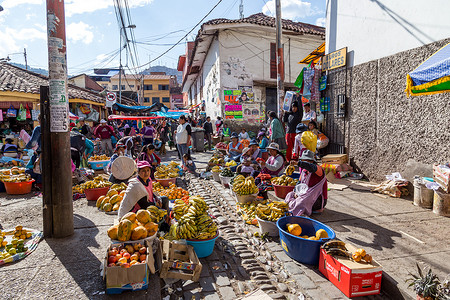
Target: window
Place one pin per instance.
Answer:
(273, 60)
(123, 87)
(163, 87)
(155, 100)
(148, 87)
(115, 87)
(131, 86)
(165, 99)
(146, 99)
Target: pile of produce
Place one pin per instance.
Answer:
(193, 220)
(110, 202)
(98, 182)
(14, 174)
(338, 248)
(136, 226)
(226, 172)
(102, 157)
(272, 211)
(284, 180)
(16, 245)
(216, 160)
(172, 192)
(127, 255)
(10, 164)
(231, 163)
(244, 186)
(167, 171)
(289, 170)
(296, 230)
(215, 169)
(221, 146)
(248, 211)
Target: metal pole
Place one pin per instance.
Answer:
(61, 173)
(120, 67)
(280, 58)
(25, 56)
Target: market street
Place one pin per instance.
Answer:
(386, 227)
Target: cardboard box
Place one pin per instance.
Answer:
(336, 159)
(441, 175)
(134, 278)
(352, 278)
(179, 261)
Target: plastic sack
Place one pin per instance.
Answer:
(309, 140)
(22, 115)
(322, 141)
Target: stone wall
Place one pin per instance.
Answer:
(386, 131)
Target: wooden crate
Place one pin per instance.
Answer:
(179, 261)
(441, 176)
(335, 159)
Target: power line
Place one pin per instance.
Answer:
(165, 52)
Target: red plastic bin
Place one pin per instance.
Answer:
(282, 190)
(18, 188)
(94, 194)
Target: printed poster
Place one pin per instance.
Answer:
(288, 100)
(238, 96)
(252, 113)
(233, 112)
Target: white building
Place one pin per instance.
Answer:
(241, 55)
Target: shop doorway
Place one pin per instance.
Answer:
(271, 100)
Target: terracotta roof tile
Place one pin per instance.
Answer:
(262, 19)
(149, 77)
(15, 79)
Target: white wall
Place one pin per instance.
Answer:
(379, 28)
(211, 80)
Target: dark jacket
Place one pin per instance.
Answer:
(207, 126)
(293, 119)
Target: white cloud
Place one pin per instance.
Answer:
(291, 9)
(80, 32)
(11, 39)
(86, 6)
(29, 16)
(12, 3)
(321, 22)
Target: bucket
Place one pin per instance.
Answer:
(268, 226)
(94, 194)
(441, 203)
(225, 180)
(299, 249)
(426, 197)
(417, 196)
(18, 188)
(282, 190)
(203, 248)
(98, 165)
(245, 198)
(216, 177)
(166, 182)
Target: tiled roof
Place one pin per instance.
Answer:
(263, 20)
(148, 77)
(15, 79)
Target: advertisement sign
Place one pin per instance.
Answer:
(238, 96)
(233, 112)
(252, 113)
(334, 60)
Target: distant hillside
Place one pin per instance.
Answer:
(35, 70)
(168, 71)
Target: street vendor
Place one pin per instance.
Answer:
(311, 193)
(263, 141)
(118, 151)
(9, 149)
(251, 152)
(298, 146)
(275, 163)
(234, 149)
(139, 193)
(148, 154)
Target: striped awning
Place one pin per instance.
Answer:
(314, 56)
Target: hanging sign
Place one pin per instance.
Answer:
(334, 60)
(233, 112)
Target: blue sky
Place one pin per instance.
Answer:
(93, 32)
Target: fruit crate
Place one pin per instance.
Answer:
(179, 261)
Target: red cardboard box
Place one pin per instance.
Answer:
(352, 278)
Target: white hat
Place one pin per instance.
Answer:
(102, 121)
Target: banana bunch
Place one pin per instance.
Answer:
(248, 211)
(284, 181)
(166, 172)
(173, 164)
(119, 187)
(98, 182)
(99, 157)
(244, 186)
(156, 214)
(231, 163)
(289, 170)
(215, 169)
(186, 229)
(180, 208)
(273, 211)
(206, 228)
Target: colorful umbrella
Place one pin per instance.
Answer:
(432, 76)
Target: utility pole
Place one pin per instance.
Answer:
(280, 58)
(25, 56)
(120, 68)
(241, 9)
(56, 173)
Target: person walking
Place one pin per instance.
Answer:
(104, 132)
(292, 118)
(218, 124)
(163, 136)
(148, 133)
(277, 131)
(183, 136)
(207, 126)
(84, 128)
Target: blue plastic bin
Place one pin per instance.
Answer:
(203, 248)
(98, 165)
(299, 249)
(295, 175)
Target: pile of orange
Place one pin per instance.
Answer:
(174, 192)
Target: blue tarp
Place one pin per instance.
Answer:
(171, 114)
(153, 108)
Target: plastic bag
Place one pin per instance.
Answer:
(309, 140)
(22, 115)
(322, 141)
(28, 111)
(11, 112)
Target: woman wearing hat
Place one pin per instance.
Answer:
(274, 165)
(251, 152)
(139, 193)
(234, 149)
(313, 196)
(118, 151)
(263, 141)
(148, 154)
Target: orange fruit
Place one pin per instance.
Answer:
(294, 229)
